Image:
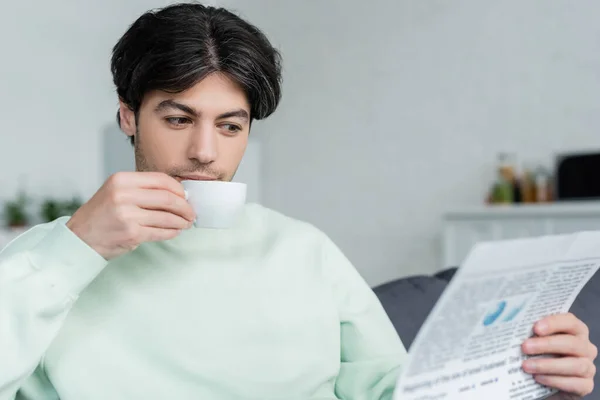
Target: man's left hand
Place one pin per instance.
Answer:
(567, 337)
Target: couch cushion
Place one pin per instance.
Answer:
(585, 308)
(408, 301)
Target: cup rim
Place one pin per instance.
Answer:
(220, 183)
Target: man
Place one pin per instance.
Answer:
(123, 301)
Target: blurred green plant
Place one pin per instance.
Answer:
(70, 206)
(51, 208)
(15, 211)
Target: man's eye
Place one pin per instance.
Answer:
(178, 121)
(230, 128)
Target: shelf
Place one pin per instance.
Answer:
(462, 229)
(558, 209)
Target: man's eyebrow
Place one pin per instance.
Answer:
(172, 104)
(241, 113)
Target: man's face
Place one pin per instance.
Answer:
(201, 133)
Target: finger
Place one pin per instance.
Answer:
(563, 366)
(162, 219)
(578, 386)
(148, 180)
(564, 345)
(158, 234)
(561, 323)
(162, 200)
(156, 180)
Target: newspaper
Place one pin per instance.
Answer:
(470, 345)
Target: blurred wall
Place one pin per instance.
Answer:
(394, 111)
(56, 93)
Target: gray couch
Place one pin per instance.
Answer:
(408, 301)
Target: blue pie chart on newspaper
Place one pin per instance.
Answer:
(491, 317)
(513, 313)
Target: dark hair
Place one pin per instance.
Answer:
(175, 47)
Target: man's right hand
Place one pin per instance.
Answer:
(132, 208)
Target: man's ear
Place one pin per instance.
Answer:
(127, 119)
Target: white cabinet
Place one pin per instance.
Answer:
(463, 228)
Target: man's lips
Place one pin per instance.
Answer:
(195, 178)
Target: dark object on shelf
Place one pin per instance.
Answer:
(578, 176)
(517, 192)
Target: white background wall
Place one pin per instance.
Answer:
(56, 94)
(393, 111)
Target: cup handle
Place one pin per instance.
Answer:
(187, 196)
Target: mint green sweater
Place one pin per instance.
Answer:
(269, 309)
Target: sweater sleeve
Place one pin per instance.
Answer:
(372, 353)
(41, 275)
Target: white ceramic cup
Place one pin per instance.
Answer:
(217, 204)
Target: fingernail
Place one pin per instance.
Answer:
(529, 346)
(541, 327)
(530, 366)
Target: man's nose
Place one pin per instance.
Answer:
(203, 146)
